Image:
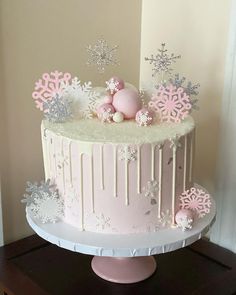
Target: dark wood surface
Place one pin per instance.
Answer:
(33, 266)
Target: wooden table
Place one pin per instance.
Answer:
(33, 266)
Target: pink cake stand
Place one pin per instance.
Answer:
(118, 258)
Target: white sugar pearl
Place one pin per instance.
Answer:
(118, 117)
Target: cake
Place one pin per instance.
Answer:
(117, 161)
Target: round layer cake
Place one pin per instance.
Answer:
(119, 178)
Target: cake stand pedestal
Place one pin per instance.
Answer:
(121, 258)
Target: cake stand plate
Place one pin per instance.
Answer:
(121, 258)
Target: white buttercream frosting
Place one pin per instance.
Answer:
(124, 132)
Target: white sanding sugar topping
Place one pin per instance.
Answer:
(125, 132)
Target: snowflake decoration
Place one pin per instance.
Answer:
(175, 143)
(58, 109)
(62, 160)
(72, 200)
(101, 55)
(47, 207)
(36, 190)
(82, 95)
(127, 153)
(196, 200)
(166, 218)
(112, 86)
(190, 89)
(106, 115)
(172, 103)
(151, 189)
(162, 61)
(143, 118)
(48, 86)
(102, 221)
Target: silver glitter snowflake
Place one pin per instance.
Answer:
(162, 61)
(151, 189)
(58, 109)
(85, 100)
(166, 218)
(101, 55)
(190, 89)
(127, 153)
(112, 86)
(102, 221)
(36, 190)
(47, 207)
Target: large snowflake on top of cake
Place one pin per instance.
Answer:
(101, 55)
(48, 86)
(171, 103)
(82, 95)
(196, 200)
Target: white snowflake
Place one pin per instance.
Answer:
(71, 198)
(102, 221)
(62, 160)
(171, 103)
(196, 200)
(174, 142)
(101, 55)
(106, 115)
(162, 61)
(166, 218)
(82, 95)
(151, 189)
(127, 153)
(112, 85)
(48, 207)
(143, 118)
(36, 190)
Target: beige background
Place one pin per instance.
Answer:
(198, 31)
(38, 36)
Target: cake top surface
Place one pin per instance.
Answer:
(126, 132)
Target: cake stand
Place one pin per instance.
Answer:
(121, 258)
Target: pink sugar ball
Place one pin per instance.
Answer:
(184, 219)
(105, 107)
(144, 117)
(127, 101)
(115, 84)
(108, 99)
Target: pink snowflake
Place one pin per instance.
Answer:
(48, 86)
(172, 103)
(196, 200)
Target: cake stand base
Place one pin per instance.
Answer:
(124, 270)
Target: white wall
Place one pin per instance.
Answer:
(198, 31)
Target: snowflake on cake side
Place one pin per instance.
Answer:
(151, 189)
(82, 96)
(36, 189)
(171, 103)
(166, 218)
(102, 221)
(48, 207)
(127, 153)
(48, 86)
(101, 55)
(196, 200)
